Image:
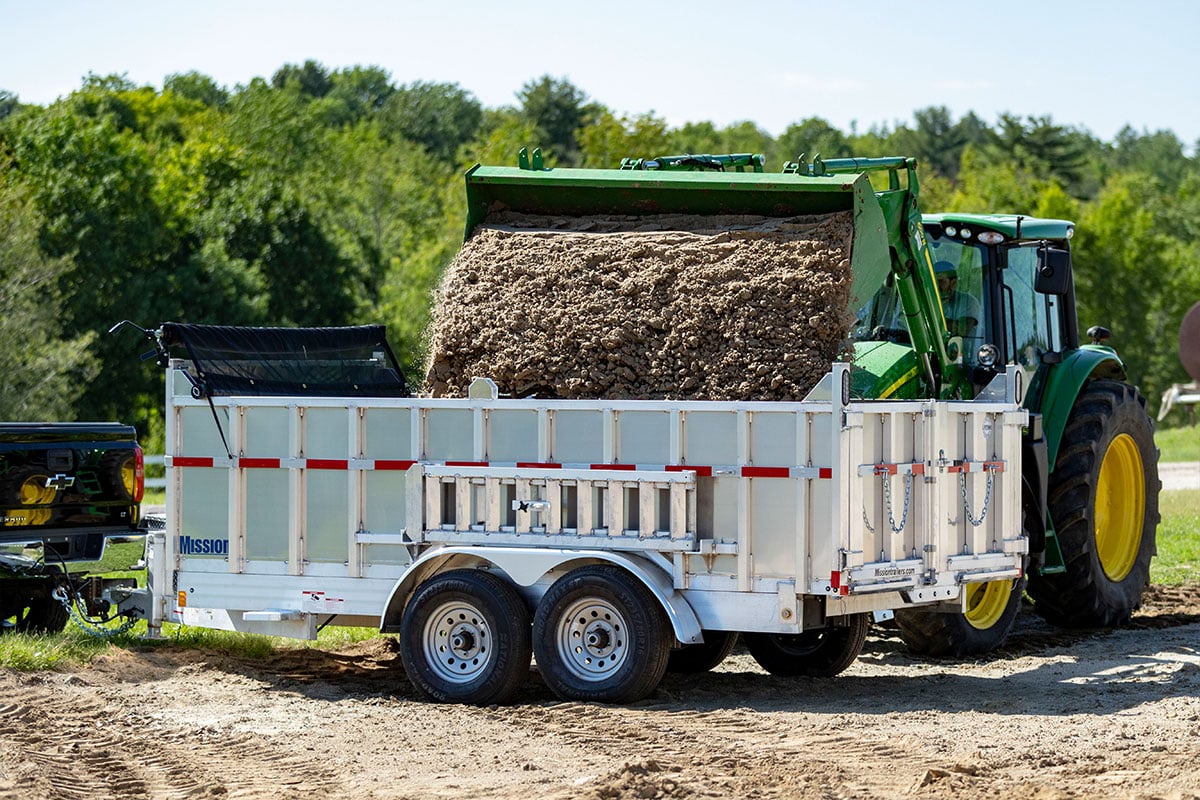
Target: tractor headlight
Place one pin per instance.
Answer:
(988, 355)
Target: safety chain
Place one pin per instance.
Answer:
(87, 625)
(987, 499)
(887, 501)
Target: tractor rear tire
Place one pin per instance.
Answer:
(992, 610)
(1103, 501)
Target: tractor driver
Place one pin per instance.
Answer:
(961, 310)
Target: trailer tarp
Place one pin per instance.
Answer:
(322, 362)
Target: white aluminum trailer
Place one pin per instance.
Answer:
(601, 535)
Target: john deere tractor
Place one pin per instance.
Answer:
(945, 302)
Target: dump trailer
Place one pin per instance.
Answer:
(943, 304)
(610, 539)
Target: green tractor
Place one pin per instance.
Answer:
(946, 302)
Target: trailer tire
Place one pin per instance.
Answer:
(692, 659)
(1103, 500)
(599, 635)
(820, 653)
(464, 638)
(992, 610)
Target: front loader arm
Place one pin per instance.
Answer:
(912, 267)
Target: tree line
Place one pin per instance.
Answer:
(334, 197)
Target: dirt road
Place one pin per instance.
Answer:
(1055, 715)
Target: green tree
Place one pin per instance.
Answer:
(608, 139)
(94, 186)
(812, 137)
(42, 372)
(441, 117)
(310, 79)
(557, 108)
(197, 86)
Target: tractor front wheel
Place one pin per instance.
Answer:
(991, 611)
(1103, 502)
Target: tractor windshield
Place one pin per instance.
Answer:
(958, 268)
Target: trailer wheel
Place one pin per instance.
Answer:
(600, 636)
(464, 638)
(992, 610)
(820, 653)
(1103, 500)
(692, 659)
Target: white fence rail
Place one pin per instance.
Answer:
(155, 483)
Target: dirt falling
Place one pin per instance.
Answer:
(654, 307)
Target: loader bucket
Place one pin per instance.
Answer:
(600, 192)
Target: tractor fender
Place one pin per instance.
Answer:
(1063, 384)
(526, 566)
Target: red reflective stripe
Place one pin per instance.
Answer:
(393, 465)
(537, 465)
(994, 466)
(327, 463)
(191, 461)
(825, 473)
(258, 463)
(885, 469)
(466, 463)
(703, 472)
(918, 469)
(624, 467)
(766, 472)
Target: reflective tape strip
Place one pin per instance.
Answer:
(327, 463)
(703, 471)
(189, 461)
(258, 463)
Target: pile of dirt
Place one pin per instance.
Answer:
(656, 307)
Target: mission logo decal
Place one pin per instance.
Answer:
(190, 546)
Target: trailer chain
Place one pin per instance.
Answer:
(987, 499)
(887, 500)
(87, 625)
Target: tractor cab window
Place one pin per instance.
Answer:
(958, 268)
(1034, 326)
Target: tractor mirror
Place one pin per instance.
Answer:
(1053, 271)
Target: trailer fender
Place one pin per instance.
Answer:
(526, 566)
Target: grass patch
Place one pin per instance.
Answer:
(1178, 559)
(75, 647)
(1178, 444)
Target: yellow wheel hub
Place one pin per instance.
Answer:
(1120, 507)
(986, 602)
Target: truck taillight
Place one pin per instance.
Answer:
(139, 474)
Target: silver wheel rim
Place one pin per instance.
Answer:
(458, 642)
(593, 639)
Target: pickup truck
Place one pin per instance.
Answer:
(66, 490)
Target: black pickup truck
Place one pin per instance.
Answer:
(66, 490)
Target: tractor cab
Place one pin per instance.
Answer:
(1006, 296)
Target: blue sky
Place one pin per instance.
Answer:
(1097, 65)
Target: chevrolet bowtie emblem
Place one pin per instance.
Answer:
(60, 481)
